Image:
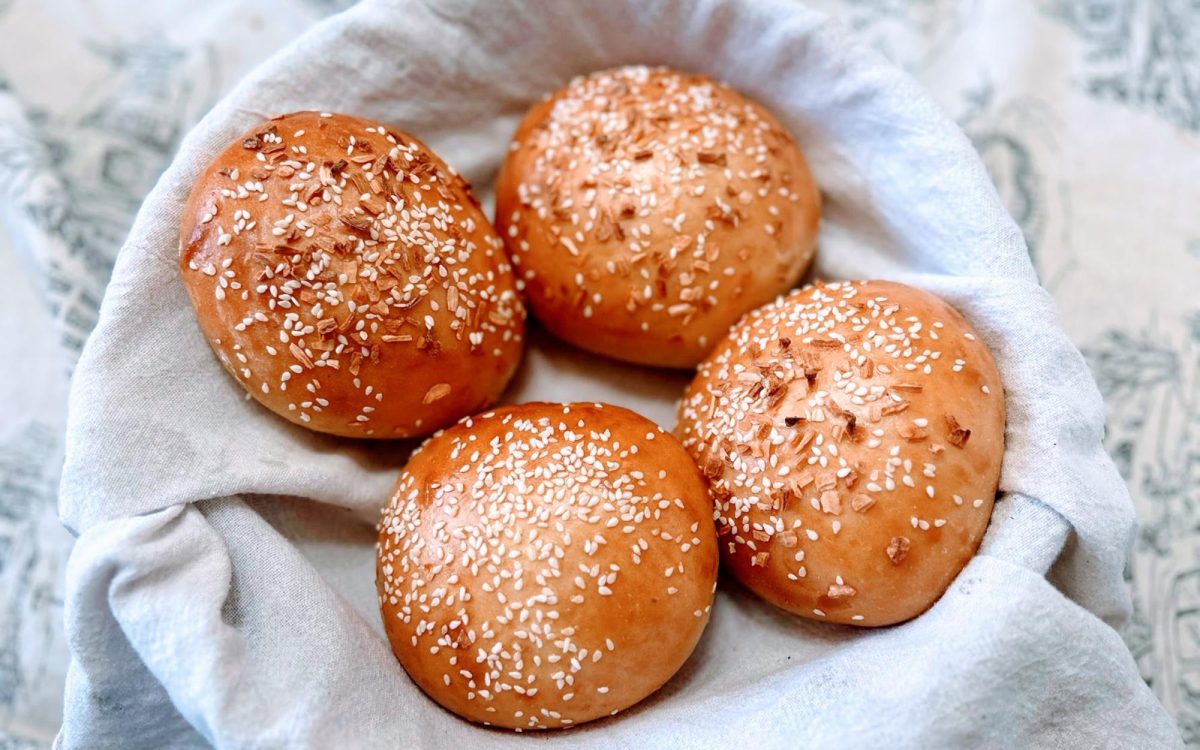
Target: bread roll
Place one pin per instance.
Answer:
(647, 210)
(346, 277)
(546, 564)
(852, 436)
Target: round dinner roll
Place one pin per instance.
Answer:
(544, 565)
(646, 210)
(347, 278)
(852, 435)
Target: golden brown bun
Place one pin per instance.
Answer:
(348, 279)
(646, 210)
(546, 564)
(852, 437)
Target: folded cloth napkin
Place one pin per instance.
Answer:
(221, 590)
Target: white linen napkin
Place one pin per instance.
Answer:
(221, 590)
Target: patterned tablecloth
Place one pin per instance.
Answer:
(1086, 112)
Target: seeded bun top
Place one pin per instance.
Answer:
(647, 210)
(346, 277)
(852, 435)
(546, 564)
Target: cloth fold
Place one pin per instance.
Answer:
(204, 607)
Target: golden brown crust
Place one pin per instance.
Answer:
(852, 436)
(647, 210)
(346, 277)
(544, 565)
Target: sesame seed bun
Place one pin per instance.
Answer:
(544, 565)
(647, 210)
(346, 277)
(852, 436)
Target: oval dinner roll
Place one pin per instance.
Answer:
(348, 279)
(546, 564)
(646, 210)
(852, 437)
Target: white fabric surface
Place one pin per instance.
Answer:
(202, 607)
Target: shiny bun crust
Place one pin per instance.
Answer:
(346, 277)
(546, 564)
(646, 210)
(852, 437)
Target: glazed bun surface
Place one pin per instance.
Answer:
(852, 435)
(646, 210)
(346, 277)
(544, 565)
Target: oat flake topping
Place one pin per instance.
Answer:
(371, 244)
(823, 415)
